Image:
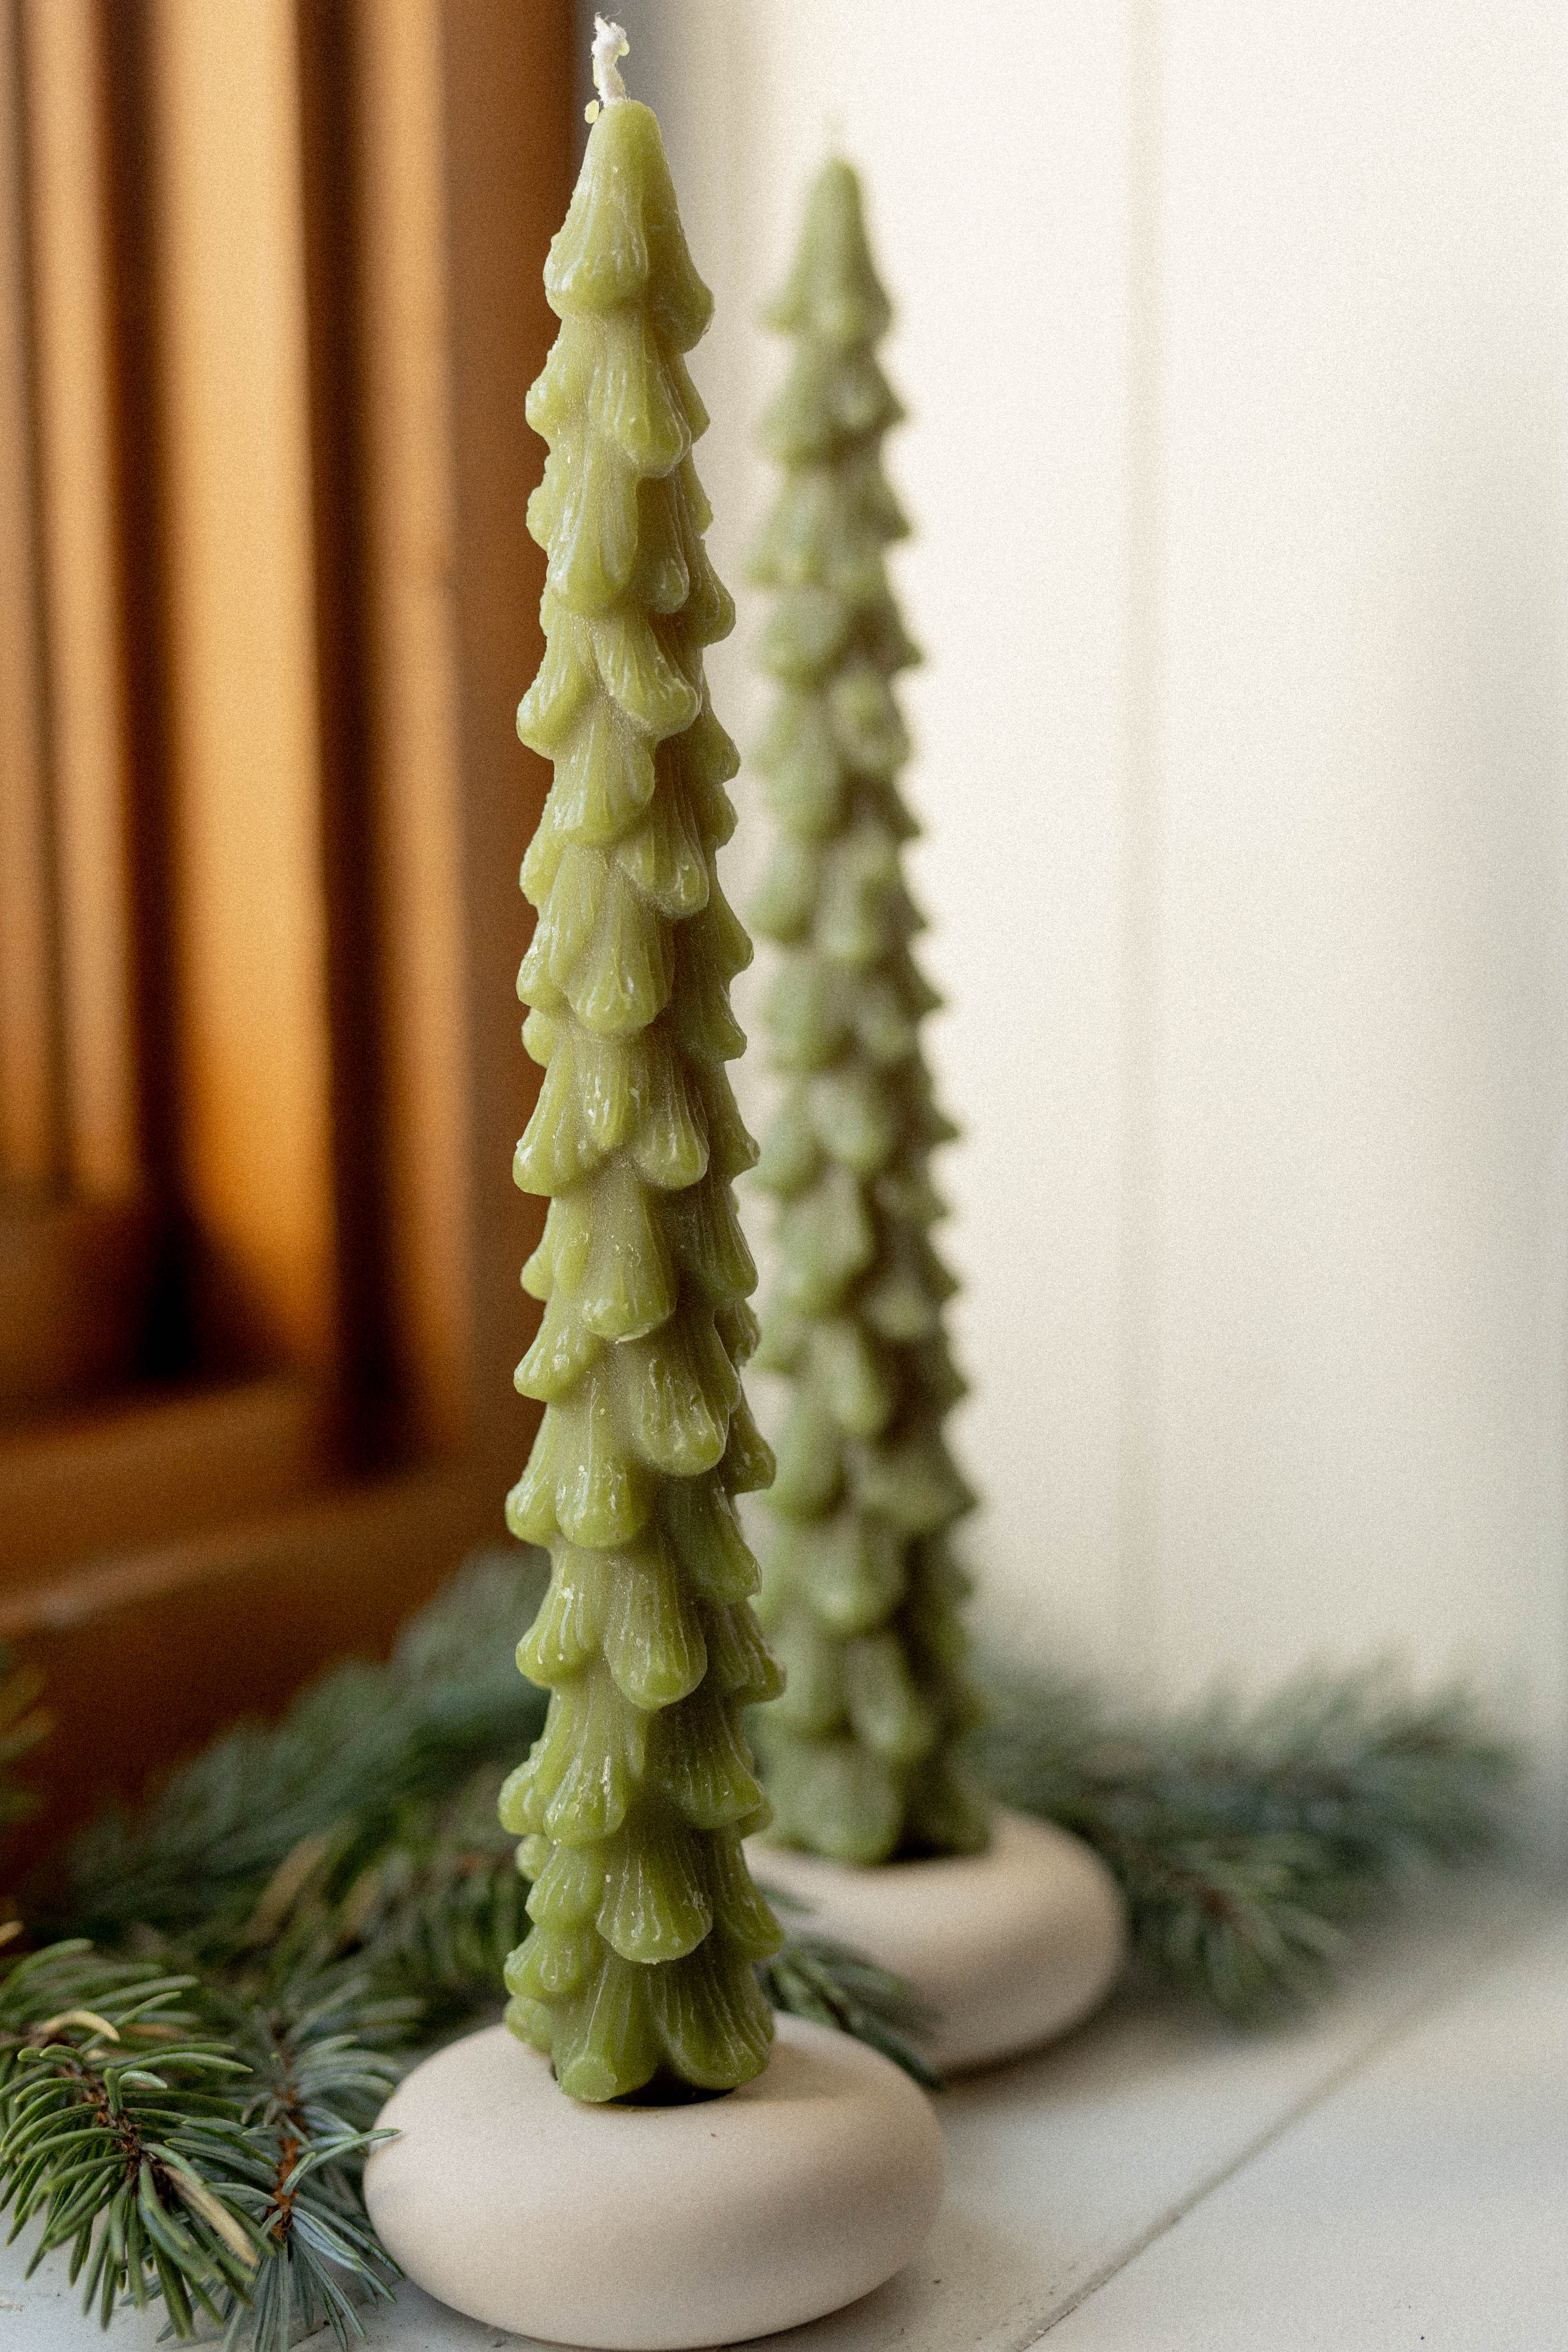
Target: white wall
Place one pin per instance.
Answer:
(1233, 334)
(1364, 998)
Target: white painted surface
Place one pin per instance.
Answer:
(1391, 2170)
(1234, 340)
(1004, 1950)
(1365, 997)
(1420, 2205)
(1011, 467)
(654, 2229)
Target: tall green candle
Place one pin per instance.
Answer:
(861, 1587)
(633, 1804)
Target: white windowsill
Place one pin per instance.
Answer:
(1392, 2172)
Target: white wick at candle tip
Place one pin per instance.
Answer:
(610, 42)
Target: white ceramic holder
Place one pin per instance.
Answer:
(1005, 1949)
(655, 2229)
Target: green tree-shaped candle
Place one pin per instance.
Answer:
(861, 1591)
(634, 1802)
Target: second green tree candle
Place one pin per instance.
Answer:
(862, 1590)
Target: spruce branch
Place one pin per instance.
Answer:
(430, 1922)
(288, 1840)
(315, 2039)
(196, 2142)
(351, 1753)
(814, 1976)
(188, 2112)
(1245, 1840)
(435, 1917)
(423, 1918)
(117, 2115)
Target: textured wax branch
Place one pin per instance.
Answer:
(861, 1589)
(633, 1801)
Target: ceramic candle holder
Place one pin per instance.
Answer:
(583, 2176)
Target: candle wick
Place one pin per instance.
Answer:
(610, 42)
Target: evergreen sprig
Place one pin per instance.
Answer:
(194, 2141)
(187, 2106)
(326, 1896)
(364, 1823)
(316, 2041)
(350, 1757)
(813, 1975)
(1244, 1839)
(118, 2113)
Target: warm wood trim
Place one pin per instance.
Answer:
(31, 1136)
(414, 700)
(66, 127)
(509, 129)
(153, 1469)
(252, 999)
(369, 1369)
(131, 212)
(145, 1656)
(74, 1281)
(327, 220)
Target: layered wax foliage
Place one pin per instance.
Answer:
(186, 2107)
(860, 1589)
(634, 1802)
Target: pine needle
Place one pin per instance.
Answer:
(350, 1755)
(186, 2108)
(1244, 1841)
(197, 2142)
(814, 1976)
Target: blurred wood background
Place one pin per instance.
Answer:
(269, 301)
(1235, 341)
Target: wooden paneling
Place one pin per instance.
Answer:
(154, 1467)
(146, 1657)
(509, 128)
(31, 1130)
(75, 1276)
(255, 1160)
(267, 469)
(66, 130)
(411, 662)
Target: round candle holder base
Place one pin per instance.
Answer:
(655, 2229)
(1004, 1949)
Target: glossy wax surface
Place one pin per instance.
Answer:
(861, 1588)
(634, 1802)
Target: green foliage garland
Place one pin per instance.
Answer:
(184, 2143)
(265, 1997)
(1244, 1841)
(860, 1589)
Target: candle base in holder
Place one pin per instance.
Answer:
(1005, 1949)
(655, 2229)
